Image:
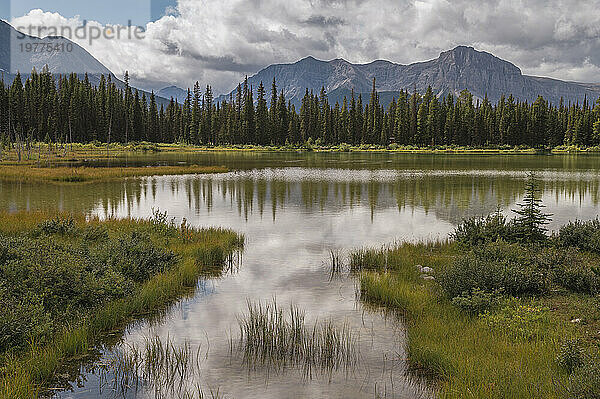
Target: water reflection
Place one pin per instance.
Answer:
(292, 217)
(449, 195)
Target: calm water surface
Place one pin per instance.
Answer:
(293, 209)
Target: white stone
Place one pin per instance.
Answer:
(426, 270)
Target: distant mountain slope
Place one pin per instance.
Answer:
(19, 54)
(174, 92)
(68, 57)
(454, 70)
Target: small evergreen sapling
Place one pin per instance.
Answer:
(531, 220)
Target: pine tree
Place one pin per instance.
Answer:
(262, 117)
(531, 220)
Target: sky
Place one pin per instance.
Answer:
(218, 42)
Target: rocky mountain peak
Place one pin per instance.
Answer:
(464, 57)
(460, 68)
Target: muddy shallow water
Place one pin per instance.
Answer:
(294, 209)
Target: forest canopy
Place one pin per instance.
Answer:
(66, 109)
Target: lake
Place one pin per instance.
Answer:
(293, 210)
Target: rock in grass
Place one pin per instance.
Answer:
(427, 270)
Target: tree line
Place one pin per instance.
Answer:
(69, 109)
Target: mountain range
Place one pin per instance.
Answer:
(482, 73)
(461, 68)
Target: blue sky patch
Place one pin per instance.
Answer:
(139, 12)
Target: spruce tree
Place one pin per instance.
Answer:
(531, 220)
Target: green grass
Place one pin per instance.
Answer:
(468, 356)
(276, 338)
(25, 373)
(87, 174)
(48, 154)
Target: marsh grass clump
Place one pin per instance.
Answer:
(159, 366)
(271, 337)
(336, 263)
(368, 259)
(75, 175)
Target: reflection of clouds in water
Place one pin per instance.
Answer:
(292, 174)
(273, 193)
(291, 218)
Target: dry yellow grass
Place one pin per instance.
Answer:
(86, 174)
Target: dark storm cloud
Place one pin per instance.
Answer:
(226, 63)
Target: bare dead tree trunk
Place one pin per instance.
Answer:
(109, 131)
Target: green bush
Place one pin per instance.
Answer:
(578, 278)
(47, 281)
(580, 234)
(56, 226)
(94, 233)
(22, 319)
(478, 230)
(499, 267)
(477, 301)
(571, 355)
(137, 258)
(572, 270)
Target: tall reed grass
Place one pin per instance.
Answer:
(276, 339)
(158, 366)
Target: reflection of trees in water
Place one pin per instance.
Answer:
(450, 198)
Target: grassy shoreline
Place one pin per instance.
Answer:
(25, 374)
(510, 351)
(89, 174)
(48, 154)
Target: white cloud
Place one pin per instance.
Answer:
(218, 42)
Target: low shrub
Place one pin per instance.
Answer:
(94, 233)
(137, 258)
(584, 235)
(502, 267)
(22, 319)
(571, 355)
(46, 280)
(478, 230)
(477, 301)
(519, 321)
(578, 278)
(56, 226)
